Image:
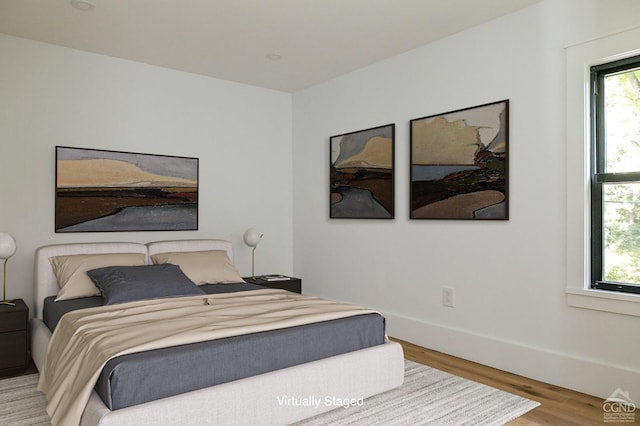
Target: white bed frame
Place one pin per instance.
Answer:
(263, 399)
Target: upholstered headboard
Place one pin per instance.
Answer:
(47, 285)
(190, 245)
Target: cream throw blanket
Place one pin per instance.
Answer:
(86, 339)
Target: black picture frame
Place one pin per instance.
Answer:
(116, 191)
(459, 165)
(362, 174)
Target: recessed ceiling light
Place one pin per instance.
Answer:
(82, 5)
(273, 56)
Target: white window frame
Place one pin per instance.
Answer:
(579, 60)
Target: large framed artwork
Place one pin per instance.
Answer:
(106, 191)
(459, 164)
(362, 175)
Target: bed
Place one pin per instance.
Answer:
(279, 396)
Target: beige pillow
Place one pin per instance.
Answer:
(71, 271)
(202, 267)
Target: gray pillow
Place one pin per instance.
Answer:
(120, 284)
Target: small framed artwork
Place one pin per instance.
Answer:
(108, 191)
(362, 175)
(459, 164)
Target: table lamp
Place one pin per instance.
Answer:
(7, 249)
(252, 238)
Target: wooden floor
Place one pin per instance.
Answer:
(559, 406)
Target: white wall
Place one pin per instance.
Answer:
(509, 277)
(52, 96)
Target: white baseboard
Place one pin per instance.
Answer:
(568, 371)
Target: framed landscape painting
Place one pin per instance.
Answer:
(106, 191)
(362, 175)
(459, 164)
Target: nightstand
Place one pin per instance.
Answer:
(14, 321)
(290, 284)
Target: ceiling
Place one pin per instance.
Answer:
(315, 40)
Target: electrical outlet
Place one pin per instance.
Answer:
(447, 297)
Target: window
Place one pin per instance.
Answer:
(580, 59)
(615, 176)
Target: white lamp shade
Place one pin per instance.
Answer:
(252, 237)
(7, 245)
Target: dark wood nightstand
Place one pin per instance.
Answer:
(291, 284)
(14, 322)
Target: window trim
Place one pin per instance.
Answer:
(598, 175)
(579, 60)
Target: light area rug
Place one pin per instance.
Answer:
(427, 397)
(431, 397)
